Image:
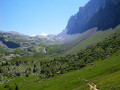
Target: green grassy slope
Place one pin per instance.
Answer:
(90, 37)
(104, 73)
(93, 39)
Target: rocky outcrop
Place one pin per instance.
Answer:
(103, 14)
(76, 22)
(107, 17)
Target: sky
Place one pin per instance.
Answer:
(33, 17)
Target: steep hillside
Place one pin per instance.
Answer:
(90, 37)
(96, 37)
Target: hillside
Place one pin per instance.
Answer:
(90, 37)
(94, 37)
(103, 73)
(23, 72)
(13, 44)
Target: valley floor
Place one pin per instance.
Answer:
(105, 74)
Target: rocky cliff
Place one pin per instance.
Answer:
(84, 14)
(107, 17)
(103, 14)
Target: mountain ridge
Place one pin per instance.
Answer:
(80, 19)
(76, 22)
(96, 13)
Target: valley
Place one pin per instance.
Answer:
(48, 69)
(84, 56)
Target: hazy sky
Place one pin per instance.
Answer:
(33, 17)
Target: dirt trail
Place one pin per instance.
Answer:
(93, 86)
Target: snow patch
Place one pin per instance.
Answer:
(33, 35)
(60, 37)
(44, 34)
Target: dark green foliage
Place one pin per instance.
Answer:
(27, 75)
(9, 43)
(34, 70)
(34, 65)
(17, 63)
(16, 87)
(19, 51)
(55, 49)
(6, 86)
(1, 71)
(3, 51)
(17, 74)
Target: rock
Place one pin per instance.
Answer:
(76, 22)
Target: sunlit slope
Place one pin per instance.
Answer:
(95, 38)
(88, 38)
(104, 73)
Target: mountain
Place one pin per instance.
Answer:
(63, 37)
(50, 37)
(84, 14)
(107, 17)
(78, 20)
(14, 42)
(103, 14)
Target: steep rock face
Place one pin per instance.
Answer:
(103, 14)
(84, 14)
(107, 17)
(76, 22)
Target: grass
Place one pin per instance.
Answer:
(81, 42)
(104, 73)
(93, 39)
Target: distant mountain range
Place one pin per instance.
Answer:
(13, 40)
(11, 33)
